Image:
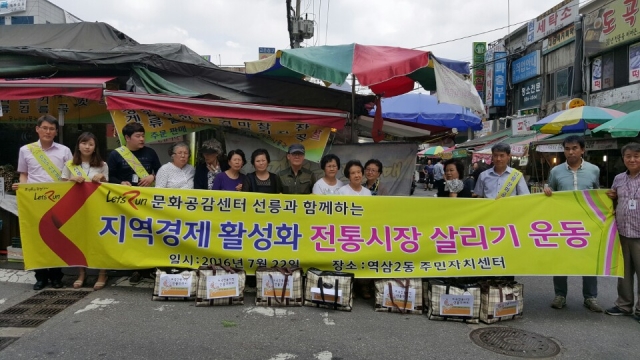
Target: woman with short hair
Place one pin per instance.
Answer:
(212, 163)
(261, 180)
(176, 174)
(232, 178)
(328, 184)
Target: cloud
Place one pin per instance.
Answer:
(232, 44)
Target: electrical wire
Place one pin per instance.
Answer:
(326, 29)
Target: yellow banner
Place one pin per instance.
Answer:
(117, 227)
(160, 126)
(76, 110)
(614, 24)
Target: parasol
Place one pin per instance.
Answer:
(575, 120)
(624, 126)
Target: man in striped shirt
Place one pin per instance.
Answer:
(574, 174)
(625, 192)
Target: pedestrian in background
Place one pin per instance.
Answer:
(625, 192)
(438, 176)
(574, 174)
(87, 165)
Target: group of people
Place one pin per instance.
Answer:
(135, 164)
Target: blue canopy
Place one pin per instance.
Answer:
(424, 109)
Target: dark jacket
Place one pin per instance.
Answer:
(119, 169)
(297, 184)
(201, 180)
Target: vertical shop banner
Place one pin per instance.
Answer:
(526, 67)
(488, 60)
(634, 62)
(398, 160)
(109, 226)
(596, 74)
(161, 126)
(479, 49)
(615, 23)
(500, 79)
(552, 20)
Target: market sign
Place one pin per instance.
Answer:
(488, 59)
(610, 144)
(526, 67)
(634, 62)
(265, 52)
(12, 6)
(530, 94)
(559, 39)
(614, 24)
(76, 110)
(479, 49)
(500, 79)
(552, 20)
(521, 125)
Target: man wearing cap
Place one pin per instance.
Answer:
(296, 179)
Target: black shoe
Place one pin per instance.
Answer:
(39, 285)
(56, 284)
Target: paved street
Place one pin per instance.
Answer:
(122, 322)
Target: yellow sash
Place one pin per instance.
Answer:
(133, 161)
(77, 170)
(510, 185)
(44, 161)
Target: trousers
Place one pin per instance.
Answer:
(589, 286)
(50, 274)
(631, 256)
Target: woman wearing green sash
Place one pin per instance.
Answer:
(87, 165)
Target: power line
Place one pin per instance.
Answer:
(486, 32)
(326, 29)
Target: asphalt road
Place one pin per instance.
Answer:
(123, 322)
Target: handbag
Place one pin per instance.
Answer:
(278, 286)
(202, 291)
(405, 303)
(174, 294)
(501, 300)
(434, 291)
(329, 289)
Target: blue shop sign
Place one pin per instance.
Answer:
(526, 67)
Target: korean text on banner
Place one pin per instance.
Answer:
(552, 20)
(76, 110)
(161, 126)
(500, 79)
(614, 24)
(526, 67)
(117, 227)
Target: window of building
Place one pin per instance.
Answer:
(1, 20)
(22, 20)
(564, 82)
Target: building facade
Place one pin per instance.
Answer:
(18, 12)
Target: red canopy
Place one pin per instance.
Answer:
(87, 88)
(120, 100)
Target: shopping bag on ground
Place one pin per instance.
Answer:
(399, 295)
(279, 286)
(452, 300)
(174, 284)
(329, 289)
(220, 285)
(501, 300)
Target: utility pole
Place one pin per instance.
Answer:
(299, 29)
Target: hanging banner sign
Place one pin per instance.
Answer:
(75, 110)
(161, 126)
(559, 39)
(634, 62)
(500, 79)
(107, 226)
(589, 145)
(479, 49)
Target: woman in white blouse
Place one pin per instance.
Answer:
(176, 174)
(354, 171)
(87, 165)
(328, 185)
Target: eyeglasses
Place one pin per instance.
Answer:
(371, 170)
(181, 153)
(47, 129)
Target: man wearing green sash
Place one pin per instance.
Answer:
(501, 180)
(134, 165)
(41, 162)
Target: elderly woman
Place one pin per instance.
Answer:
(353, 171)
(176, 174)
(231, 179)
(213, 162)
(372, 171)
(453, 181)
(262, 180)
(328, 185)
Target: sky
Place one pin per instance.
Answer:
(231, 31)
